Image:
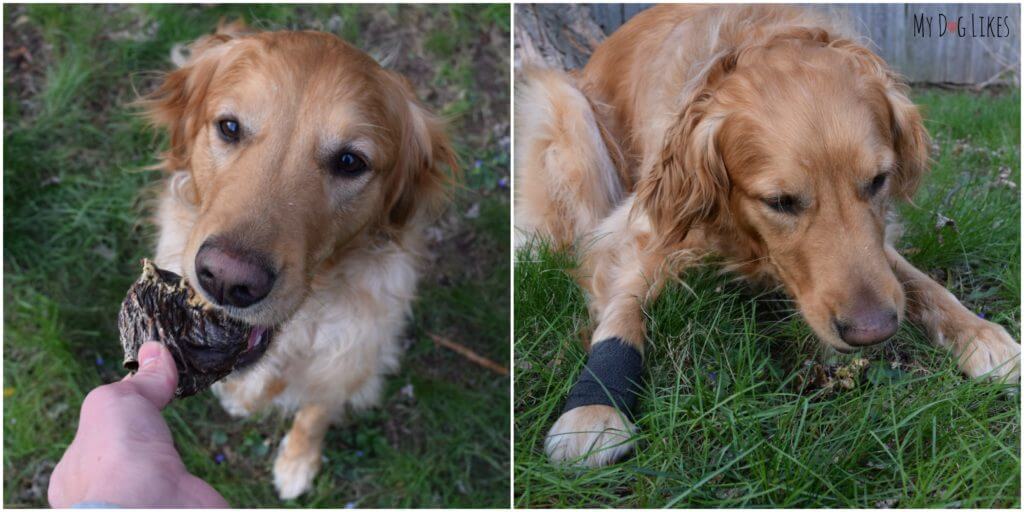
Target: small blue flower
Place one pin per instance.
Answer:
(219, 458)
(99, 360)
(503, 183)
(360, 453)
(477, 164)
(981, 316)
(713, 376)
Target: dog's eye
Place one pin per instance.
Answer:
(877, 184)
(349, 164)
(783, 204)
(229, 130)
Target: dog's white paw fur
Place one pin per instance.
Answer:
(987, 350)
(228, 400)
(293, 475)
(591, 435)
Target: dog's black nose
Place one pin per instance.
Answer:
(232, 277)
(868, 327)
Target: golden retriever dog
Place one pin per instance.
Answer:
(766, 135)
(301, 175)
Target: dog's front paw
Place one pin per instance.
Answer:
(987, 350)
(227, 393)
(294, 469)
(591, 435)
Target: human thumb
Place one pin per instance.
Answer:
(157, 376)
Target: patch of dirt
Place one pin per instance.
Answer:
(35, 489)
(457, 249)
(26, 57)
(398, 42)
(401, 423)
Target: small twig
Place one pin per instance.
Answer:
(993, 79)
(469, 354)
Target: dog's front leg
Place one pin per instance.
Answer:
(298, 458)
(596, 427)
(982, 348)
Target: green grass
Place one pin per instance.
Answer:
(76, 224)
(721, 421)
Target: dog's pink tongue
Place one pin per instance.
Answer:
(254, 336)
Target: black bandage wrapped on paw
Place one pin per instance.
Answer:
(611, 377)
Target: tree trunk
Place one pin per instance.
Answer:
(558, 36)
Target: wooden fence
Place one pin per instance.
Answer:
(915, 39)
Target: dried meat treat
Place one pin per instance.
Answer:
(829, 377)
(206, 344)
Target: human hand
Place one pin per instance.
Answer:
(123, 453)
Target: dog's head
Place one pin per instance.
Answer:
(296, 144)
(795, 147)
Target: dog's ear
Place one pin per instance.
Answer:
(687, 183)
(909, 139)
(174, 104)
(419, 181)
(899, 118)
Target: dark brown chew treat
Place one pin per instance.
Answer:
(206, 344)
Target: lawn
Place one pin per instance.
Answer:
(76, 225)
(723, 421)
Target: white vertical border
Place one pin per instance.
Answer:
(512, 255)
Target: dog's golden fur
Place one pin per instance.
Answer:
(347, 249)
(767, 135)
